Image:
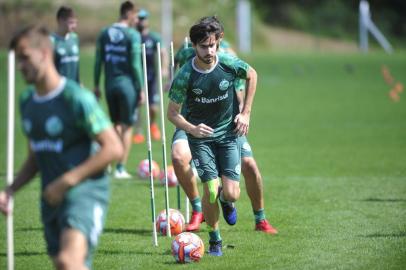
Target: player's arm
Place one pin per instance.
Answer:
(97, 67)
(110, 150)
(242, 120)
(27, 172)
(136, 62)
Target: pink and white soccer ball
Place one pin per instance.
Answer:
(172, 179)
(143, 169)
(187, 247)
(176, 222)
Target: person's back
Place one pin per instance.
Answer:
(117, 45)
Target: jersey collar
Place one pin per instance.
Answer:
(51, 95)
(119, 24)
(204, 71)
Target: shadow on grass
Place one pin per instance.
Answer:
(385, 235)
(127, 231)
(30, 229)
(25, 253)
(383, 200)
(130, 252)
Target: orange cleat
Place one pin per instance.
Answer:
(195, 220)
(138, 138)
(155, 132)
(265, 227)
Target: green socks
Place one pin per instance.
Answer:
(259, 215)
(214, 235)
(196, 204)
(213, 188)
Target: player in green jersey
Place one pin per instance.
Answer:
(181, 160)
(61, 120)
(118, 50)
(213, 121)
(151, 40)
(66, 44)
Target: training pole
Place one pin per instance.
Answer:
(172, 74)
(161, 97)
(10, 157)
(151, 177)
(185, 45)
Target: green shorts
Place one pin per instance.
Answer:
(179, 135)
(84, 208)
(122, 99)
(217, 158)
(244, 146)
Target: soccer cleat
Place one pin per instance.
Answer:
(229, 211)
(215, 248)
(265, 227)
(195, 220)
(155, 132)
(138, 138)
(123, 174)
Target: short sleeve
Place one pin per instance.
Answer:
(177, 92)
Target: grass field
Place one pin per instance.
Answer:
(331, 147)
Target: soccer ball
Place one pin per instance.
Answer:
(176, 222)
(143, 169)
(172, 179)
(187, 247)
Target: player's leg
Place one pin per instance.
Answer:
(181, 160)
(230, 163)
(127, 99)
(138, 136)
(254, 186)
(73, 250)
(204, 157)
(153, 99)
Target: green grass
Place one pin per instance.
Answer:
(331, 148)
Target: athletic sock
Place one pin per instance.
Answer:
(214, 234)
(196, 204)
(259, 215)
(212, 185)
(120, 167)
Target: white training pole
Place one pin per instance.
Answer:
(161, 96)
(185, 45)
(172, 74)
(151, 178)
(10, 157)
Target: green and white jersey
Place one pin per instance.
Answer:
(119, 48)
(66, 55)
(209, 96)
(60, 127)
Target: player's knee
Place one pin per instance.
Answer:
(68, 260)
(180, 158)
(231, 193)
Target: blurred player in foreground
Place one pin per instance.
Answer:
(60, 120)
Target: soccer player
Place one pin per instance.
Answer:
(181, 159)
(151, 39)
(60, 120)
(66, 44)
(119, 49)
(213, 121)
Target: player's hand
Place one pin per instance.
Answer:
(5, 202)
(55, 191)
(201, 131)
(242, 123)
(97, 93)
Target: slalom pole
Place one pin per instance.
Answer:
(172, 74)
(185, 45)
(10, 156)
(161, 97)
(151, 177)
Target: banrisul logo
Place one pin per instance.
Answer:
(224, 84)
(53, 125)
(197, 91)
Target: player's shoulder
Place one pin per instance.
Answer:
(27, 95)
(75, 93)
(74, 36)
(228, 59)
